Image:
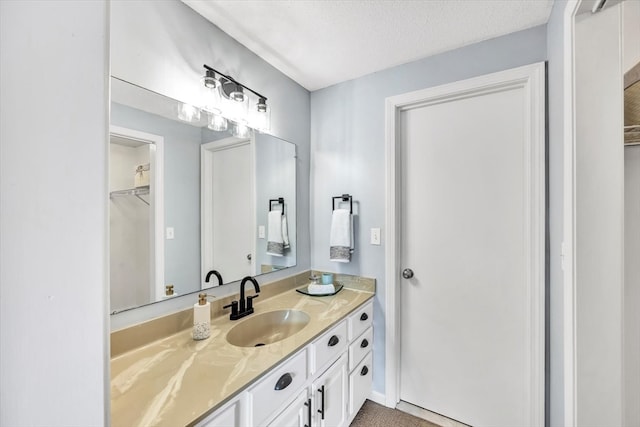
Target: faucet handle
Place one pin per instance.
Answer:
(234, 308)
(250, 301)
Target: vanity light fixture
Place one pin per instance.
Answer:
(230, 99)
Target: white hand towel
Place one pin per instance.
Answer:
(321, 289)
(341, 239)
(278, 238)
(285, 232)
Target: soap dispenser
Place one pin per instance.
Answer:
(201, 318)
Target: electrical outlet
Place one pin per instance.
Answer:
(375, 236)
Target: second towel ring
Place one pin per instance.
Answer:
(278, 201)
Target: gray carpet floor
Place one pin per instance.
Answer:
(373, 415)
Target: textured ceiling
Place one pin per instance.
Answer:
(321, 43)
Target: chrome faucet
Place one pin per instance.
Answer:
(214, 273)
(245, 307)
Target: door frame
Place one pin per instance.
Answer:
(531, 79)
(156, 200)
(206, 197)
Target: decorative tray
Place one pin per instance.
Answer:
(303, 290)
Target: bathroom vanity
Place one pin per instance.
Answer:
(317, 376)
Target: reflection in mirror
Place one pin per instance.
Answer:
(136, 212)
(189, 204)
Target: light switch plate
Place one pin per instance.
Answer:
(261, 232)
(375, 236)
(170, 233)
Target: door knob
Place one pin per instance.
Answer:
(407, 273)
(249, 257)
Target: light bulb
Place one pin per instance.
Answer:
(240, 130)
(188, 113)
(260, 117)
(209, 80)
(217, 123)
(238, 94)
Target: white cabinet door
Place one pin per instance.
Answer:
(297, 414)
(360, 382)
(330, 395)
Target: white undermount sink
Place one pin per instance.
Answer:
(267, 328)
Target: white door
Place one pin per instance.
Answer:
(228, 213)
(472, 191)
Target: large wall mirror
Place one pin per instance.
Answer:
(192, 208)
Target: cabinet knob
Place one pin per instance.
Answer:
(364, 316)
(364, 343)
(283, 382)
(333, 341)
(364, 371)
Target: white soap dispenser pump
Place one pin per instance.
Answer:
(201, 318)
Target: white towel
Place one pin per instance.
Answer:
(285, 232)
(321, 289)
(341, 239)
(278, 238)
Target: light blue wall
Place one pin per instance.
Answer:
(347, 142)
(162, 46)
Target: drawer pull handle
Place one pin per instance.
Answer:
(364, 317)
(321, 411)
(283, 382)
(333, 341)
(308, 405)
(364, 371)
(364, 343)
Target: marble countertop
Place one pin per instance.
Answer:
(177, 381)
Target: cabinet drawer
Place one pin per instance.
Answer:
(270, 393)
(360, 347)
(329, 346)
(360, 320)
(225, 417)
(360, 382)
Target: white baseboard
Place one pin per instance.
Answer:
(377, 397)
(428, 415)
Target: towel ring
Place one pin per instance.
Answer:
(344, 198)
(278, 201)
